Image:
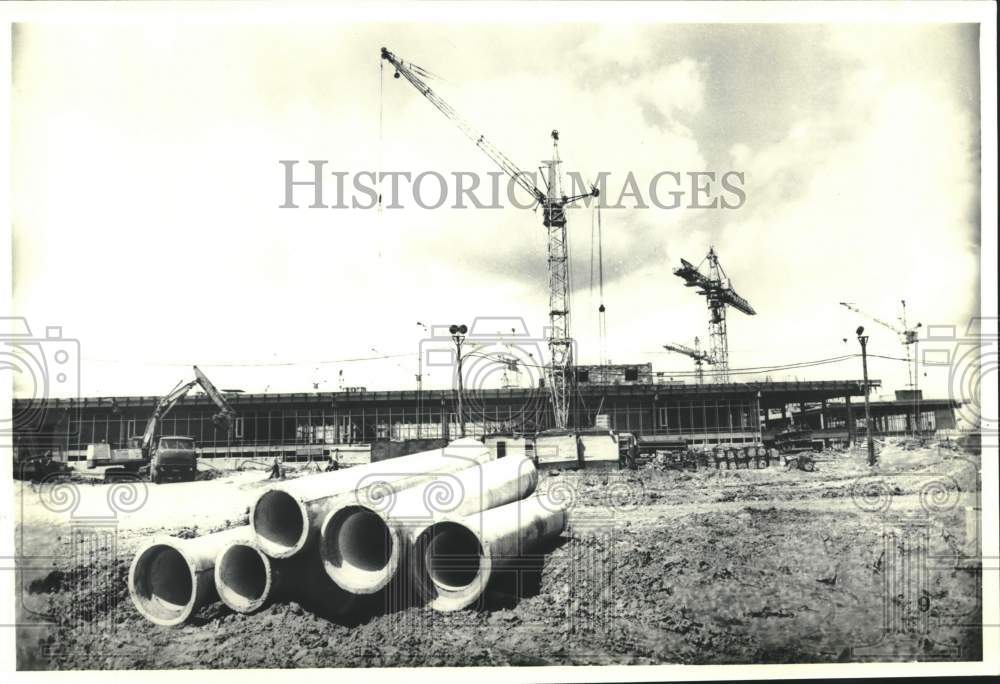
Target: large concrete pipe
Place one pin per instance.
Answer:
(454, 560)
(286, 518)
(247, 580)
(363, 546)
(170, 577)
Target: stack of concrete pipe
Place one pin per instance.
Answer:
(442, 522)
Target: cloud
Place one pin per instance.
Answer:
(147, 185)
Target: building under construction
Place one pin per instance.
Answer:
(317, 423)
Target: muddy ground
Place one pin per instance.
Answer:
(731, 566)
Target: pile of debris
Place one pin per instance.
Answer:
(729, 457)
(436, 525)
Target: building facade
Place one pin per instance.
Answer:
(699, 414)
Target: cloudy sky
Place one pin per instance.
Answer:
(147, 187)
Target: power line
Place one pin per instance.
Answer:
(253, 364)
(494, 356)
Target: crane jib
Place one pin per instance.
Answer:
(554, 219)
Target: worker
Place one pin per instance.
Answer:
(333, 465)
(633, 454)
(276, 471)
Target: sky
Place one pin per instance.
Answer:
(147, 190)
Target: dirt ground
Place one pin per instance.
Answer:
(657, 566)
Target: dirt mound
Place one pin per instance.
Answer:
(656, 567)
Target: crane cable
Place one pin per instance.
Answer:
(381, 73)
(597, 258)
(602, 322)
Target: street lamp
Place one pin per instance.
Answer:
(420, 383)
(458, 335)
(863, 339)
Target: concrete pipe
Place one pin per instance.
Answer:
(454, 560)
(286, 518)
(247, 580)
(363, 546)
(170, 578)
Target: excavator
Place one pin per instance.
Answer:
(167, 456)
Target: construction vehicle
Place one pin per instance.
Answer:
(37, 466)
(167, 456)
(719, 293)
(553, 203)
(700, 357)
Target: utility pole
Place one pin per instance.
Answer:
(458, 335)
(863, 339)
(420, 384)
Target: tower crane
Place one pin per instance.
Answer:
(700, 357)
(553, 203)
(718, 291)
(907, 336)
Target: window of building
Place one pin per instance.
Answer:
(582, 376)
(238, 428)
(631, 374)
(664, 417)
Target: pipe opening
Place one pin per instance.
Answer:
(452, 556)
(243, 577)
(363, 540)
(163, 584)
(358, 549)
(278, 521)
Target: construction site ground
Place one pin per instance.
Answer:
(844, 563)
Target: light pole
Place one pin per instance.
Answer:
(863, 339)
(458, 335)
(420, 383)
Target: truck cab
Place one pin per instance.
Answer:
(173, 457)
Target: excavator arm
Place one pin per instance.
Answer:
(226, 415)
(163, 407)
(222, 420)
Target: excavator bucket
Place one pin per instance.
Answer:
(222, 422)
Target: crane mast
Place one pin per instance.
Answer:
(560, 342)
(719, 294)
(553, 203)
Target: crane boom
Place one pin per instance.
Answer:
(688, 351)
(855, 309)
(488, 148)
(553, 204)
(907, 335)
(697, 354)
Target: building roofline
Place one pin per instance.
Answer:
(829, 388)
